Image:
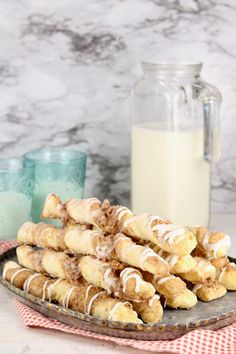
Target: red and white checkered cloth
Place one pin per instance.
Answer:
(199, 341)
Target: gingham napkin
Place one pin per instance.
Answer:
(199, 341)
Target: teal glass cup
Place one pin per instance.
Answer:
(16, 191)
(58, 171)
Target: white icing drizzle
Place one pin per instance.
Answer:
(29, 280)
(151, 218)
(224, 269)
(117, 305)
(163, 280)
(67, 297)
(169, 232)
(148, 252)
(155, 297)
(16, 273)
(44, 289)
(172, 259)
(122, 211)
(110, 281)
(86, 295)
(5, 270)
(51, 286)
(92, 301)
(196, 288)
(91, 201)
(209, 247)
(129, 273)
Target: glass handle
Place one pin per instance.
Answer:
(211, 113)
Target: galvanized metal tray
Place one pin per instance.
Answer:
(175, 323)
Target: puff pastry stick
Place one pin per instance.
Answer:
(209, 291)
(174, 290)
(171, 238)
(212, 244)
(72, 237)
(83, 298)
(151, 311)
(177, 264)
(86, 211)
(42, 235)
(81, 211)
(53, 208)
(55, 264)
(202, 273)
(91, 242)
(15, 274)
(138, 256)
(227, 276)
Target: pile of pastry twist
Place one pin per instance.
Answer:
(107, 262)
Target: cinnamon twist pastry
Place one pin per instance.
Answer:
(91, 242)
(53, 208)
(81, 211)
(212, 244)
(171, 238)
(209, 291)
(151, 311)
(55, 264)
(73, 238)
(42, 235)
(174, 290)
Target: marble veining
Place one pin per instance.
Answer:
(67, 67)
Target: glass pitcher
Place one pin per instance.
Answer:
(175, 137)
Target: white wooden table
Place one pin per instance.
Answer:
(16, 338)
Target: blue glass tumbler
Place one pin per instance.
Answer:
(59, 171)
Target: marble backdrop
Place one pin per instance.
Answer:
(67, 66)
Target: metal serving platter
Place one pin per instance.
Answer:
(175, 323)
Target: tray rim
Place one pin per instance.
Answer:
(143, 328)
